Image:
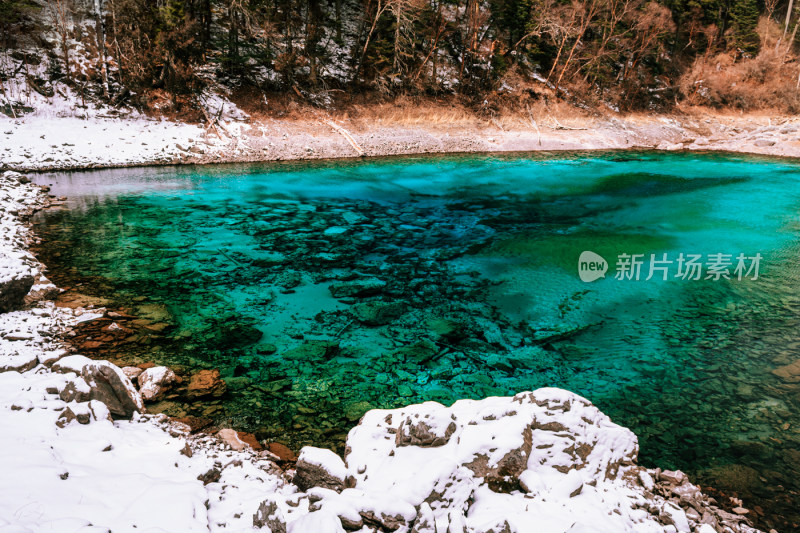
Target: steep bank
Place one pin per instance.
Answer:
(38, 143)
(542, 459)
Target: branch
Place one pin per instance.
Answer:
(347, 136)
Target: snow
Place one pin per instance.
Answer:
(134, 475)
(153, 381)
(63, 131)
(122, 476)
(16, 263)
(325, 459)
(73, 363)
(34, 142)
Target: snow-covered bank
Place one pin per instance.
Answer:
(541, 461)
(20, 272)
(40, 142)
(34, 143)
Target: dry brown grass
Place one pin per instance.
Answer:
(503, 114)
(408, 111)
(768, 81)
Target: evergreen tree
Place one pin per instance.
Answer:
(745, 20)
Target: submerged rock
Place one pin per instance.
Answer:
(359, 287)
(313, 350)
(378, 313)
(206, 383)
(789, 373)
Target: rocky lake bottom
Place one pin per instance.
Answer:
(322, 290)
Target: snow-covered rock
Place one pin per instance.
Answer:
(18, 268)
(107, 382)
(65, 466)
(154, 382)
(17, 273)
(318, 467)
(112, 387)
(546, 460)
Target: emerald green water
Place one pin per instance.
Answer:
(477, 258)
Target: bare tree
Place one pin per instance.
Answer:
(61, 17)
(380, 8)
(571, 23)
(405, 13)
(100, 28)
(788, 17)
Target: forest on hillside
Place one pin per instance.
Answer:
(625, 55)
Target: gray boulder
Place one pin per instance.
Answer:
(13, 291)
(318, 467)
(107, 382)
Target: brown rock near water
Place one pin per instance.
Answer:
(238, 440)
(250, 440)
(195, 423)
(231, 438)
(132, 372)
(74, 300)
(283, 452)
(205, 384)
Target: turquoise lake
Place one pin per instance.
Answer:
(323, 289)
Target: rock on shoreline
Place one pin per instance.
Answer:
(546, 460)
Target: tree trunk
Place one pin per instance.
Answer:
(233, 35)
(379, 9)
(398, 11)
(312, 38)
(788, 18)
(100, 28)
(338, 21)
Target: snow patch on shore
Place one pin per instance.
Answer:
(36, 142)
(118, 476)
